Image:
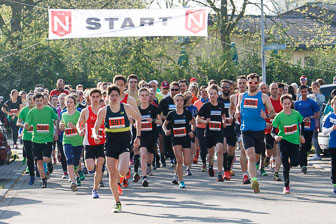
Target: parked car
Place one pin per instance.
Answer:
(5, 149)
(323, 140)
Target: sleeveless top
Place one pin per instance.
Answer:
(116, 122)
(250, 109)
(89, 125)
(125, 99)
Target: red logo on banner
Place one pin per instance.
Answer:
(61, 23)
(195, 20)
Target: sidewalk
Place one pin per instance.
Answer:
(9, 174)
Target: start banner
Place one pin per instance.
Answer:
(86, 23)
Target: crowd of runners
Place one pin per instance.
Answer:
(128, 123)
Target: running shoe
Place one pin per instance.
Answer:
(263, 172)
(195, 160)
(182, 185)
(117, 207)
(334, 188)
(172, 164)
(286, 190)
(174, 181)
(232, 173)
(267, 161)
(73, 186)
(78, 181)
(27, 170)
(255, 186)
(101, 184)
(145, 182)
(220, 177)
(95, 194)
(203, 168)
(125, 183)
(131, 162)
(304, 169)
(44, 183)
(315, 157)
(188, 172)
(128, 175)
(246, 179)
(136, 177)
(31, 180)
(81, 175)
(65, 175)
(211, 171)
(120, 191)
(163, 163)
(227, 175)
(276, 177)
(16, 147)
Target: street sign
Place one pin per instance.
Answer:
(275, 47)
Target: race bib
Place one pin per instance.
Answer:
(307, 124)
(215, 125)
(70, 132)
(251, 103)
(172, 107)
(116, 122)
(31, 129)
(215, 113)
(42, 128)
(100, 132)
(180, 132)
(290, 129)
(226, 105)
(146, 126)
(13, 111)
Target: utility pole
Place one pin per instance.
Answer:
(263, 42)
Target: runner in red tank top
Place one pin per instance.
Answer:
(94, 150)
(272, 148)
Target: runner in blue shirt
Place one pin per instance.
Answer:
(309, 110)
(329, 127)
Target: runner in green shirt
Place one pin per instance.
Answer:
(72, 141)
(27, 136)
(42, 119)
(288, 121)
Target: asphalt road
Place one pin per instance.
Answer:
(202, 201)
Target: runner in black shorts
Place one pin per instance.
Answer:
(212, 113)
(118, 138)
(149, 119)
(43, 119)
(181, 133)
(94, 150)
(230, 139)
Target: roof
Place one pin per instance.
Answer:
(311, 25)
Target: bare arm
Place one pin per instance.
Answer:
(82, 119)
(268, 104)
(100, 118)
(158, 120)
(232, 105)
(134, 112)
(19, 123)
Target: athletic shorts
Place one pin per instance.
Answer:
(254, 139)
(149, 142)
(269, 140)
(213, 140)
(117, 143)
(185, 141)
(94, 151)
(230, 135)
(41, 150)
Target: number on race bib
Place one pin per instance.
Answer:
(215, 125)
(42, 128)
(69, 132)
(116, 122)
(251, 103)
(146, 126)
(307, 124)
(180, 132)
(290, 129)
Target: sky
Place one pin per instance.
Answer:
(251, 10)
